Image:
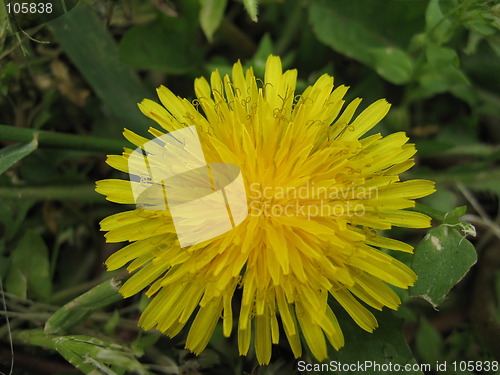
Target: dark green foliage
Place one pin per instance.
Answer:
(63, 107)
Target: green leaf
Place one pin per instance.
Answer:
(83, 306)
(166, 45)
(458, 212)
(429, 343)
(393, 64)
(441, 56)
(90, 355)
(437, 25)
(16, 282)
(30, 268)
(93, 356)
(441, 73)
(435, 80)
(88, 44)
(252, 9)
(386, 344)
(11, 154)
(211, 14)
(441, 260)
(351, 29)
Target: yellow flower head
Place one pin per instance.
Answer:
(317, 194)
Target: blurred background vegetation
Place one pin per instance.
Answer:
(69, 86)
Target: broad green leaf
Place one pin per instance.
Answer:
(351, 29)
(11, 154)
(211, 14)
(458, 212)
(385, 345)
(435, 80)
(252, 9)
(81, 307)
(442, 72)
(441, 260)
(30, 265)
(167, 45)
(88, 44)
(441, 56)
(393, 64)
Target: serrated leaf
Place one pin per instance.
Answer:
(81, 307)
(211, 14)
(252, 9)
(30, 265)
(11, 154)
(441, 260)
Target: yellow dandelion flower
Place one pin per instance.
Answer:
(316, 196)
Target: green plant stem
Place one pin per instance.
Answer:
(60, 140)
(27, 316)
(73, 291)
(84, 193)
